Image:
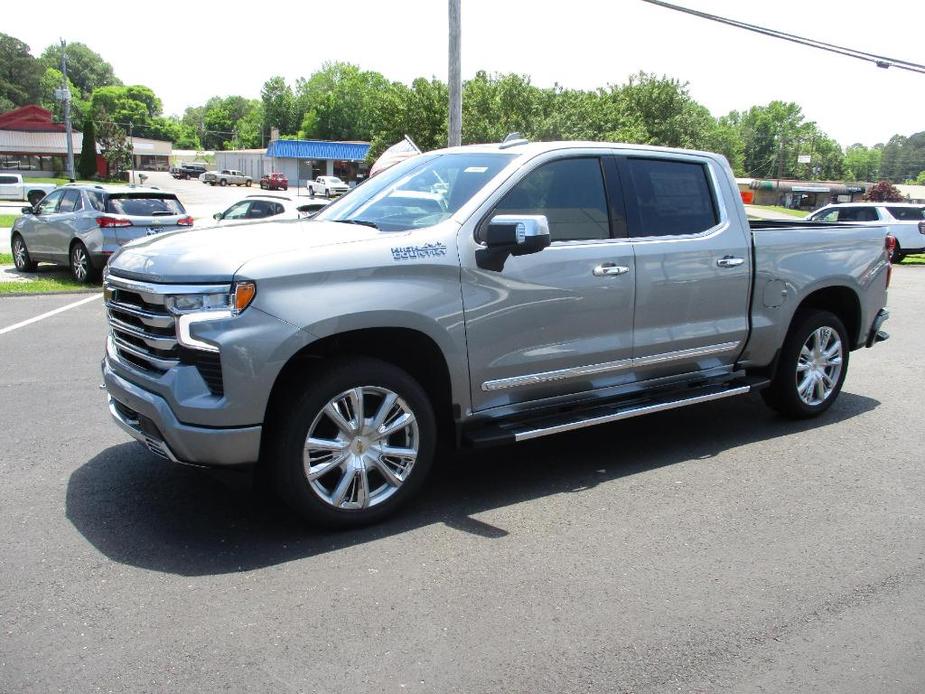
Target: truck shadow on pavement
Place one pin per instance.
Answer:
(139, 510)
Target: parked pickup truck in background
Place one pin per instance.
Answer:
(553, 286)
(904, 221)
(187, 171)
(226, 177)
(14, 187)
(328, 186)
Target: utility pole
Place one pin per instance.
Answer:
(455, 78)
(66, 98)
(131, 144)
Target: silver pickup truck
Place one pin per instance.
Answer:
(480, 295)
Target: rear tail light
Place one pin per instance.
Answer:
(185, 221)
(109, 222)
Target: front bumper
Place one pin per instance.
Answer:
(147, 417)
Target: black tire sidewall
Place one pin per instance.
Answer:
(27, 265)
(88, 278)
(783, 394)
(334, 377)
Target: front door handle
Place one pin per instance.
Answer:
(729, 261)
(606, 269)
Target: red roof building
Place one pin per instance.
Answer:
(30, 118)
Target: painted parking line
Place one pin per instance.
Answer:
(49, 314)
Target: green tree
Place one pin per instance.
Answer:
(863, 163)
(85, 68)
(114, 145)
(86, 165)
(20, 73)
(278, 106)
(51, 81)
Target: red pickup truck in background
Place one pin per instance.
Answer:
(274, 181)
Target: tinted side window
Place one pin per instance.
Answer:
(828, 216)
(907, 214)
(8, 179)
(672, 197)
(97, 200)
(857, 214)
(50, 202)
(570, 192)
(70, 202)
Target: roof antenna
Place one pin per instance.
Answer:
(512, 140)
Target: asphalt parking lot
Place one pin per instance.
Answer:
(717, 548)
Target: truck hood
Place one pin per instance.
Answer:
(214, 255)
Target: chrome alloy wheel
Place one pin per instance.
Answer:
(80, 263)
(19, 254)
(360, 448)
(819, 366)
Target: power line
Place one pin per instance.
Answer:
(881, 61)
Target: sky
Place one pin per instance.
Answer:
(576, 43)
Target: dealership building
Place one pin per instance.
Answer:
(300, 160)
(33, 144)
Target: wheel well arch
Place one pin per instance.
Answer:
(840, 300)
(410, 350)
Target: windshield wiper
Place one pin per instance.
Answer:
(362, 222)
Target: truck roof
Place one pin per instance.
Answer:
(532, 149)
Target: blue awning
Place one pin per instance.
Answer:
(317, 149)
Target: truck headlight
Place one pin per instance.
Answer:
(235, 301)
(197, 308)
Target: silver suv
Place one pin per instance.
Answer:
(82, 225)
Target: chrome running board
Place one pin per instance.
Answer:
(523, 430)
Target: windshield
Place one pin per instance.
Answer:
(419, 192)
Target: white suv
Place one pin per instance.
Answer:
(906, 222)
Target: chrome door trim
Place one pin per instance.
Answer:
(605, 367)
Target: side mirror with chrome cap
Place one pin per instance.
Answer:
(511, 234)
(218, 215)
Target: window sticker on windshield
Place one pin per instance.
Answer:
(476, 169)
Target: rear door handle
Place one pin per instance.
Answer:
(729, 261)
(606, 269)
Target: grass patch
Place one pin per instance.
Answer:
(914, 260)
(43, 286)
(782, 210)
(6, 258)
(6, 220)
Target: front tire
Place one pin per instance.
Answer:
(223, 183)
(355, 444)
(812, 367)
(21, 258)
(81, 268)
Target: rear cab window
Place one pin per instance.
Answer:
(670, 197)
(144, 204)
(907, 214)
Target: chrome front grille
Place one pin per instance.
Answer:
(143, 330)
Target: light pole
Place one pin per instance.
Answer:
(455, 77)
(65, 95)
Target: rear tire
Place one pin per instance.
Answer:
(812, 366)
(353, 481)
(21, 258)
(223, 183)
(247, 183)
(82, 269)
(897, 256)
